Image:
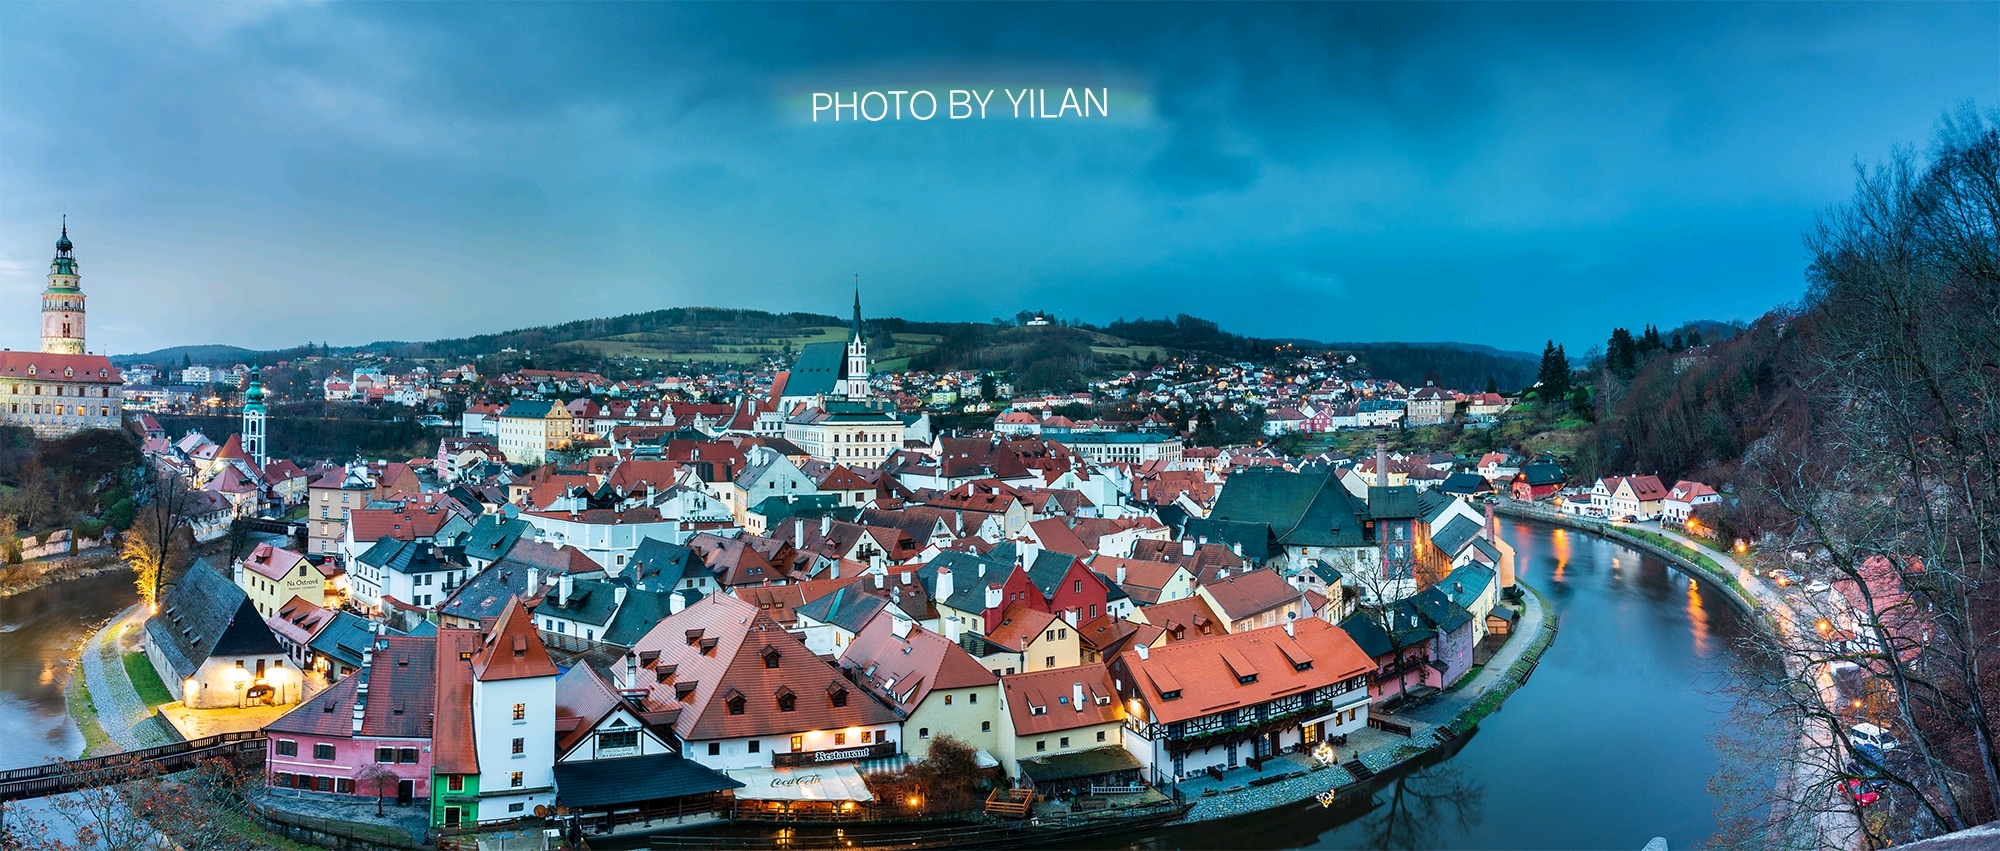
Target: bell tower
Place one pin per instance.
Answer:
(253, 419)
(62, 302)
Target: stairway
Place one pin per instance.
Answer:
(1360, 772)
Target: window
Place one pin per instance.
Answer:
(287, 747)
(756, 745)
(385, 754)
(923, 732)
(1041, 745)
(985, 726)
(1077, 587)
(1064, 742)
(838, 740)
(323, 752)
(517, 807)
(407, 756)
(1050, 662)
(867, 736)
(787, 702)
(947, 700)
(973, 697)
(520, 747)
(520, 712)
(1100, 735)
(455, 783)
(798, 743)
(514, 781)
(618, 740)
(344, 785)
(714, 748)
(736, 705)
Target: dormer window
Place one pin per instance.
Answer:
(787, 700)
(771, 657)
(1170, 695)
(736, 703)
(1246, 679)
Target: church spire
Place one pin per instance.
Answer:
(856, 333)
(62, 302)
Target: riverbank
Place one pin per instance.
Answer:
(1292, 779)
(1689, 560)
(30, 575)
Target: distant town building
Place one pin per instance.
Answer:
(61, 390)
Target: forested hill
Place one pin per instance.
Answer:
(1056, 356)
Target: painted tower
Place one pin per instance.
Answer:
(253, 419)
(854, 378)
(62, 302)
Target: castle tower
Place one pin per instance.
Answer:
(62, 302)
(253, 419)
(855, 377)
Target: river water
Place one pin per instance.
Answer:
(40, 633)
(1607, 746)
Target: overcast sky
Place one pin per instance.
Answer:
(268, 174)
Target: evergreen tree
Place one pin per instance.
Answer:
(1492, 386)
(1554, 374)
(1676, 344)
(1621, 354)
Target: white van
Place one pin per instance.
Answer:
(1869, 734)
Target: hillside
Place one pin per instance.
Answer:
(1041, 357)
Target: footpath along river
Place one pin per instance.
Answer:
(1607, 745)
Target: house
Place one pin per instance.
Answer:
(1185, 619)
(611, 756)
(1619, 497)
(1681, 502)
(1538, 481)
(1254, 599)
(511, 718)
(1044, 640)
(1064, 730)
(1399, 638)
(417, 573)
(928, 680)
(530, 429)
(828, 624)
(360, 736)
(272, 575)
(213, 650)
(746, 694)
(1465, 484)
(1146, 582)
(1212, 703)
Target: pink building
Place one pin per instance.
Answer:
(379, 716)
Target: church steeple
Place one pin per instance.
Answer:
(854, 379)
(62, 302)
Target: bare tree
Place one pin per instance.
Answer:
(158, 541)
(382, 780)
(1889, 484)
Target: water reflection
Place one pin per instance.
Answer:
(1420, 809)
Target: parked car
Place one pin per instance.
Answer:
(1818, 587)
(1862, 793)
(1868, 735)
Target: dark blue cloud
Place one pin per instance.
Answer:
(264, 173)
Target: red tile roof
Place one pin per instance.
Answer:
(906, 668)
(1242, 595)
(1209, 673)
(453, 750)
(1054, 692)
(513, 650)
(1019, 627)
(93, 369)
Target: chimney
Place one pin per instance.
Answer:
(618, 596)
(631, 669)
(564, 586)
(1121, 573)
(1492, 529)
(1289, 631)
(994, 596)
(1069, 616)
(1076, 696)
(825, 525)
(1187, 547)
(944, 583)
(951, 630)
(799, 534)
(878, 581)
(906, 576)
(1237, 548)
(534, 580)
(1381, 461)
(1142, 650)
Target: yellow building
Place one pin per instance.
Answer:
(532, 428)
(272, 576)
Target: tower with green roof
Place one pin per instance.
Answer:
(62, 302)
(253, 419)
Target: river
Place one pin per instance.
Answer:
(40, 632)
(1608, 745)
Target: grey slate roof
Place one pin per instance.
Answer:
(591, 601)
(968, 588)
(1045, 574)
(1375, 642)
(818, 367)
(641, 612)
(661, 565)
(1464, 483)
(492, 536)
(1394, 502)
(1455, 535)
(633, 779)
(1465, 584)
(344, 638)
(204, 615)
(848, 608)
(1300, 509)
(1437, 607)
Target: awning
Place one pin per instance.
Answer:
(830, 782)
(985, 760)
(632, 779)
(1095, 762)
(1503, 613)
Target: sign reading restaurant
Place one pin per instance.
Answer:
(880, 749)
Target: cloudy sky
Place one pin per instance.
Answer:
(267, 174)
